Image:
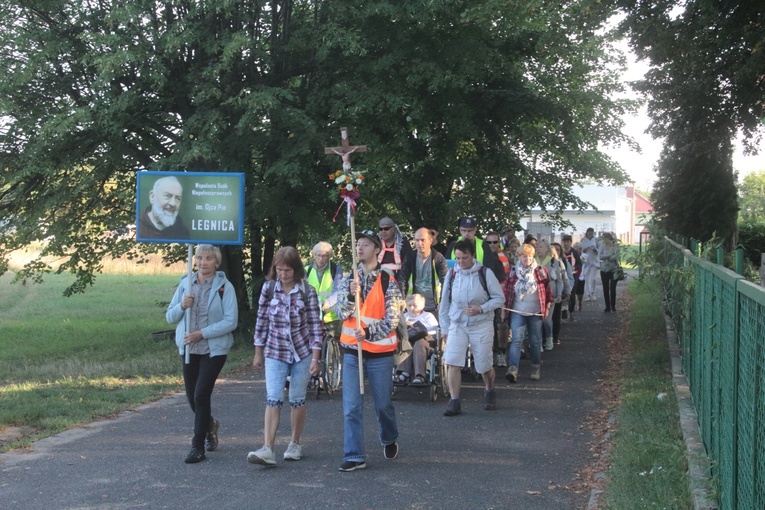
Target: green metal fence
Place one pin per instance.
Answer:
(720, 320)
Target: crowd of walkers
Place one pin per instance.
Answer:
(494, 301)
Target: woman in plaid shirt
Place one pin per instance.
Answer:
(288, 338)
(528, 294)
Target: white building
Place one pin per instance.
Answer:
(616, 209)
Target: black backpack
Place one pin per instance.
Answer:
(481, 277)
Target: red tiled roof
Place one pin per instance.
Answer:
(642, 205)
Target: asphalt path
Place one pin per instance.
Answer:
(525, 455)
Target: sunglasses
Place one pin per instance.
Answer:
(385, 229)
(493, 242)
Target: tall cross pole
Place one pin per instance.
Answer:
(344, 151)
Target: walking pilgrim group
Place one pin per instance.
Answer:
(501, 298)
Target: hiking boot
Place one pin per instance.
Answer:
(390, 451)
(454, 408)
(349, 465)
(512, 374)
(294, 451)
(489, 400)
(211, 441)
(265, 457)
(194, 456)
(536, 372)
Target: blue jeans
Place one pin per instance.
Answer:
(519, 323)
(379, 372)
(276, 376)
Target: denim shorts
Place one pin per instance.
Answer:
(276, 376)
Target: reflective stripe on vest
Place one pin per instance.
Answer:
(372, 311)
(323, 289)
(396, 264)
(505, 262)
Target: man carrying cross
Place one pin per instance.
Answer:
(380, 304)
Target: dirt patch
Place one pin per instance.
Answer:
(11, 434)
(602, 423)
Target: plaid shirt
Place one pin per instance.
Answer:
(288, 327)
(394, 302)
(543, 282)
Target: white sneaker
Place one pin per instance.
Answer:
(294, 451)
(265, 456)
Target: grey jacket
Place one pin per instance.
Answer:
(465, 291)
(222, 315)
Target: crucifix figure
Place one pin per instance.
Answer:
(345, 150)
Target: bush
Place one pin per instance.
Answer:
(751, 236)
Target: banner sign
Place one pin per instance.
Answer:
(190, 207)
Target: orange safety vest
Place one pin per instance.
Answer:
(505, 261)
(372, 310)
(396, 264)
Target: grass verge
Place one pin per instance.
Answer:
(68, 361)
(648, 464)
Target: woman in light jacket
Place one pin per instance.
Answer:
(211, 301)
(608, 254)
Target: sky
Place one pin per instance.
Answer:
(640, 166)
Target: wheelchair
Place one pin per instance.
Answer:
(330, 365)
(436, 380)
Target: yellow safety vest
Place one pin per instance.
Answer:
(478, 249)
(323, 288)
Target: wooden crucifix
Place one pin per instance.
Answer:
(344, 151)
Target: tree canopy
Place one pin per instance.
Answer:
(752, 198)
(705, 85)
(484, 107)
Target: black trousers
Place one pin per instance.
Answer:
(199, 377)
(609, 289)
(556, 311)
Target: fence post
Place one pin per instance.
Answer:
(694, 246)
(720, 255)
(740, 259)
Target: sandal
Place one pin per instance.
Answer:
(418, 379)
(401, 377)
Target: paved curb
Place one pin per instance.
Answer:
(698, 463)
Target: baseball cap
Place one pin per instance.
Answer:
(467, 222)
(369, 234)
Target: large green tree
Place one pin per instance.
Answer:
(705, 85)
(752, 198)
(488, 108)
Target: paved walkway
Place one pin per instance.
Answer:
(523, 455)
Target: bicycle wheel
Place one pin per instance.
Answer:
(333, 365)
(443, 381)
